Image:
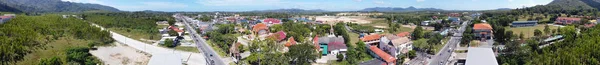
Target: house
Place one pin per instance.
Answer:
(331, 45)
(260, 29)
(425, 23)
(481, 56)
(368, 39)
(403, 34)
(523, 23)
(5, 18)
(379, 54)
(234, 52)
(279, 36)
(178, 30)
(290, 42)
(566, 20)
(598, 21)
(271, 21)
(454, 20)
(482, 30)
(401, 44)
(454, 15)
(386, 45)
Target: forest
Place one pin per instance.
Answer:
(23, 35)
(139, 24)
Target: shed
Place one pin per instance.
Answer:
(481, 56)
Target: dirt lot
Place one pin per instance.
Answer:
(121, 55)
(336, 19)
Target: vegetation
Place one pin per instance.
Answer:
(302, 54)
(80, 55)
(169, 43)
(25, 34)
(139, 25)
(32, 6)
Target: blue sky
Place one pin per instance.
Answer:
(330, 5)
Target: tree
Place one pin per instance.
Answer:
(421, 44)
(169, 43)
(276, 28)
(537, 32)
(301, 54)
(547, 30)
(340, 57)
(173, 33)
(51, 61)
(417, 33)
(412, 54)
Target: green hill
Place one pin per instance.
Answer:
(49, 6)
(575, 4)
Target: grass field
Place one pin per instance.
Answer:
(136, 34)
(55, 48)
(528, 31)
(188, 49)
(353, 38)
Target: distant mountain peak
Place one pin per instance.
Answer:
(54, 6)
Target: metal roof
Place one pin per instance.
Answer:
(165, 59)
(481, 56)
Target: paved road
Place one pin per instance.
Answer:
(443, 55)
(194, 58)
(212, 57)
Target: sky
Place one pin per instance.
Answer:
(329, 5)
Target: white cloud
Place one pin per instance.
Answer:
(238, 2)
(420, 0)
(381, 3)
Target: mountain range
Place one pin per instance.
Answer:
(293, 10)
(49, 6)
(575, 4)
(398, 9)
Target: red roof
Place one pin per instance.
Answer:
(371, 37)
(175, 29)
(2, 17)
(259, 26)
(403, 34)
(279, 35)
(316, 41)
(568, 18)
(272, 21)
(385, 56)
(290, 42)
(482, 26)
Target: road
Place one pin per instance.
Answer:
(211, 55)
(195, 58)
(443, 55)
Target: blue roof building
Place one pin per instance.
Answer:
(523, 23)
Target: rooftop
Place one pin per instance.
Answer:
(371, 37)
(481, 56)
(385, 56)
(482, 26)
(259, 26)
(403, 34)
(165, 59)
(272, 21)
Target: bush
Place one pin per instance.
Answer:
(51, 61)
(169, 43)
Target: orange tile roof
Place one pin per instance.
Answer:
(290, 42)
(403, 34)
(259, 26)
(316, 42)
(385, 56)
(482, 26)
(371, 37)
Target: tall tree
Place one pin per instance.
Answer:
(417, 33)
(301, 54)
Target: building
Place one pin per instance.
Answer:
(425, 23)
(179, 31)
(279, 36)
(380, 54)
(234, 52)
(403, 34)
(368, 39)
(598, 21)
(260, 29)
(271, 21)
(454, 15)
(481, 56)
(523, 23)
(331, 45)
(290, 42)
(454, 20)
(483, 31)
(6, 18)
(566, 20)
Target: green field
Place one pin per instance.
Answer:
(55, 48)
(528, 31)
(136, 34)
(217, 49)
(188, 49)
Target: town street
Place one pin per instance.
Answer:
(211, 56)
(443, 55)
